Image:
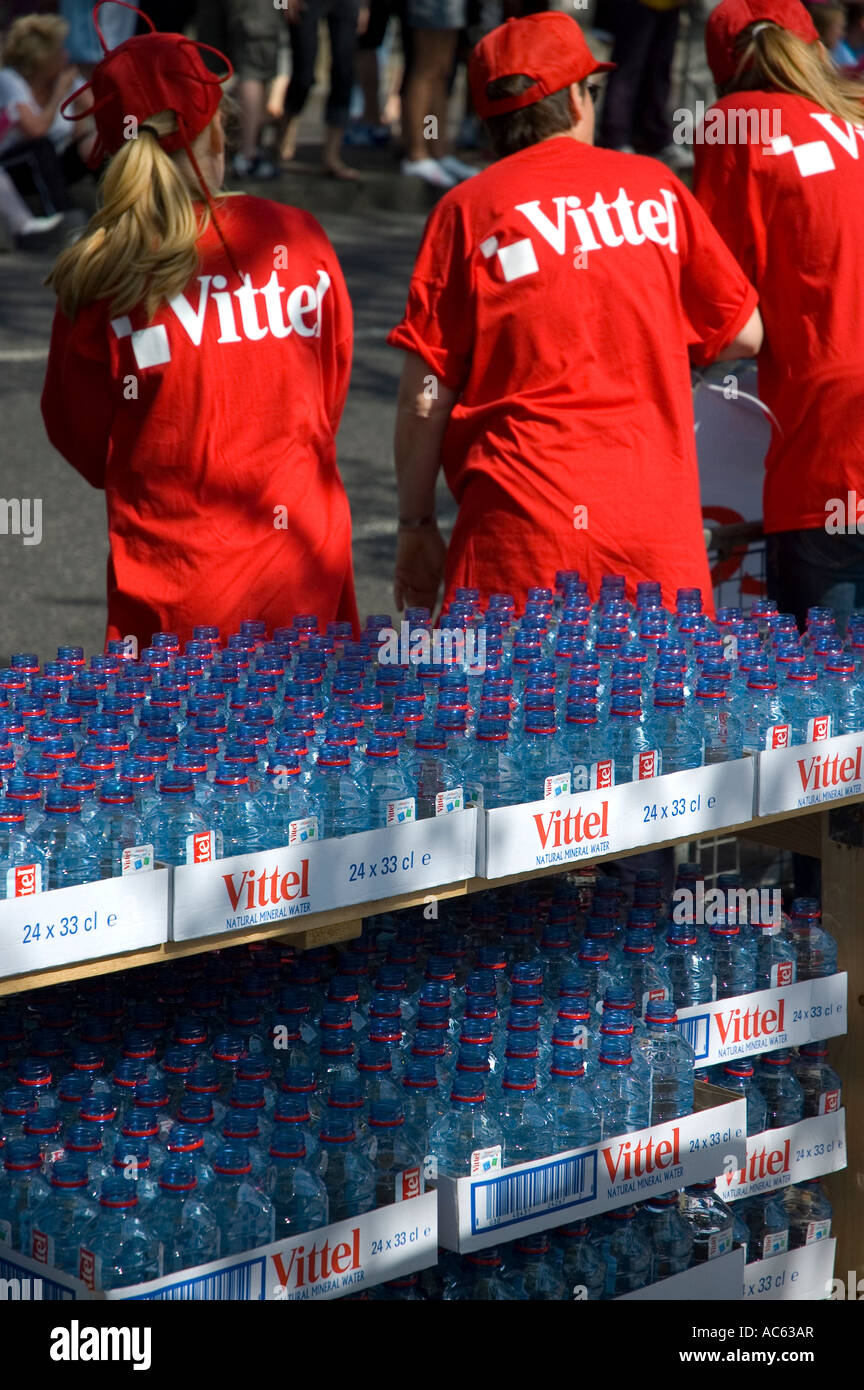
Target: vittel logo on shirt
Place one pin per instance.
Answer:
(248, 313)
(816, 156)
(572, 228)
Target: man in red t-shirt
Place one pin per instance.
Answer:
(557, 300)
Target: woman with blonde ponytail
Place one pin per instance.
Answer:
(198, 368)
(790, 205)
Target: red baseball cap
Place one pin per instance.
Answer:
(732, 17)
(143, 76)
(549, 47)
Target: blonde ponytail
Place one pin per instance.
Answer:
(773, 59)
(140, 248)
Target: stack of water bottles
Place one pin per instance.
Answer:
(260, 742)
(624, 1250)
(226, 1100)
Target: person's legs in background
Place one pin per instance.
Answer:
(342, 26)
(425, 98)
(304, 51)
(653, 125)
(634, 30)
(254, 41)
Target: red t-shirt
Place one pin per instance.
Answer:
(565, 325)
(212, 430)
(790, 204)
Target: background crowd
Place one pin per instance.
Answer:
(392, 71)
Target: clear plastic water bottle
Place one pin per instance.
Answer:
(391, 788)
(670, 1060)
(583, 1264)
(46, 1127)
(818, 1080)
(739, 1076)
(184, 1224)
(721, 727)
(625, 1250)
(578, 1121)
(343, 803)
(396, 1152)
(710, 1220)
(620, 1096)
(669, 1236)
(532, 1270)
(467, 1129)
(689, 966)
(528, 1120)
(23, 867)
(767, 1225)
(177, 828)
(639, 970)
(298, 1195)
(70, 854)
(121, 1248)
(679, 738)
(288, 807)
(345, 1171)
(810, 704)
(481, 1279)
(65, 1218)
(492, 777)
(733, 965)
(815, 948)
(847, 694)
(629, 742)
(809, 1213)
(235, 813)
(436, 776)
(775, 956)
(243, 1213)
(544, 762)
(783, 1094)
(115, 827)
(22, 1191)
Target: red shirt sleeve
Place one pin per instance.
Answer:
(78, 398)
(718, 298)
(438, 323)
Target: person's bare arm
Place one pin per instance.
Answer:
(747, 343)
(34, 123)
(422, 413)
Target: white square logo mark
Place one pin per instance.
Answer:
(813, 158)
(518, 260)
(149, 345)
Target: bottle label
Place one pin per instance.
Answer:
(452, 800)
(720, 1243)
(777, 1243)
(6, 1232)
(647, 765)
(485, 1160)
(777, 736)
(473, 798)
(89, 1267)
(829, 1101)
(136, 858)
(409, 1183)
(818, 1230)
(401, 811)
(42, 1247)
(201, 847)
(559, 785)
(307, 1032)
(299, 831)
(651, 996)
(819, 728)
(52, 1156)
(603, 774)
(782, 972)
(23, 879)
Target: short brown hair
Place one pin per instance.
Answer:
(516, 130)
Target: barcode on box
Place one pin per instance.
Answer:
(697, 1031)
(508, 1199)
(244, 1282)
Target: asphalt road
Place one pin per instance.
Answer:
(54, 592)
